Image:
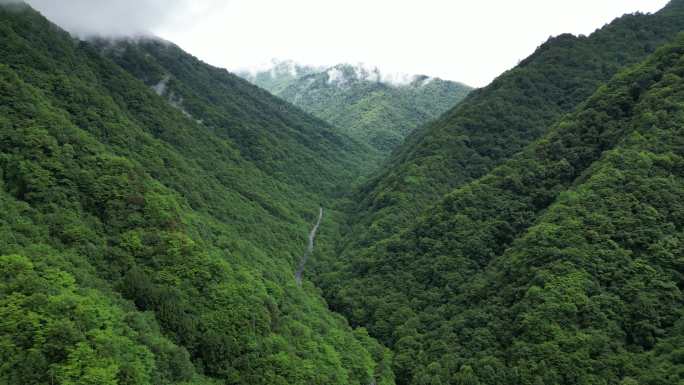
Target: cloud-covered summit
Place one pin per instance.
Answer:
(340, 74)
(344, 73)
(457, 40)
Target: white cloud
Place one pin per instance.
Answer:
(335, 76)
(469, 41)
(122, 17)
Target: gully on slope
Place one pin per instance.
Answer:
(309, 247)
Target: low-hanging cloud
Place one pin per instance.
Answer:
(457, 40)
(117, 18)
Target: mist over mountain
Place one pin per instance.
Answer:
(278, 74)
(378, 108)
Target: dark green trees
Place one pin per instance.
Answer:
(152, 239)
(495, 122)
(451, 277)
(153, 209)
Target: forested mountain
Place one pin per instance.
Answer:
(497, 121)
(153, 211)
(445, 285)
(561, 266)
(375, 108)
(282, 141)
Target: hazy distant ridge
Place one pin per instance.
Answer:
(379, 108)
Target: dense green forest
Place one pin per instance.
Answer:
(287, 143)
(405, 278)
(154, 210)
(151, 239)
(561, 266)
(363, 102)
(497, 121)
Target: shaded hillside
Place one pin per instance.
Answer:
(282, 141)
(495, 122)
(375, 271)
(561, 266)
(363, 102)
(151, 239)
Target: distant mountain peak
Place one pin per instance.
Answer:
(342, 74)
(345, 73)
(276, 68)
(376, 107)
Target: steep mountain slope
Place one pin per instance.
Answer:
(151, 239)
(495, 122)
(283, 141)
(368, 279)
(561, 266)
(363, 102)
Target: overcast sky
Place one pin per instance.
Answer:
(470, 41)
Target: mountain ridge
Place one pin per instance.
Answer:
(499, 274)
(144, 244)
(155, 210)
(495, 122)
(374, 107)
(378, 267)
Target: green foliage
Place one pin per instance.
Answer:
(154, 209)
(54, 332)
(498, 121)
(361, 104)
(284, 142)
(426, 263)
(153, 239)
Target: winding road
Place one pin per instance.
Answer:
(309, 248)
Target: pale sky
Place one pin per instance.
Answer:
(469, 41)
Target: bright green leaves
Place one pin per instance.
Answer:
(55, 332)
(161, 231)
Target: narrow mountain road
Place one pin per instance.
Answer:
(309, 248)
